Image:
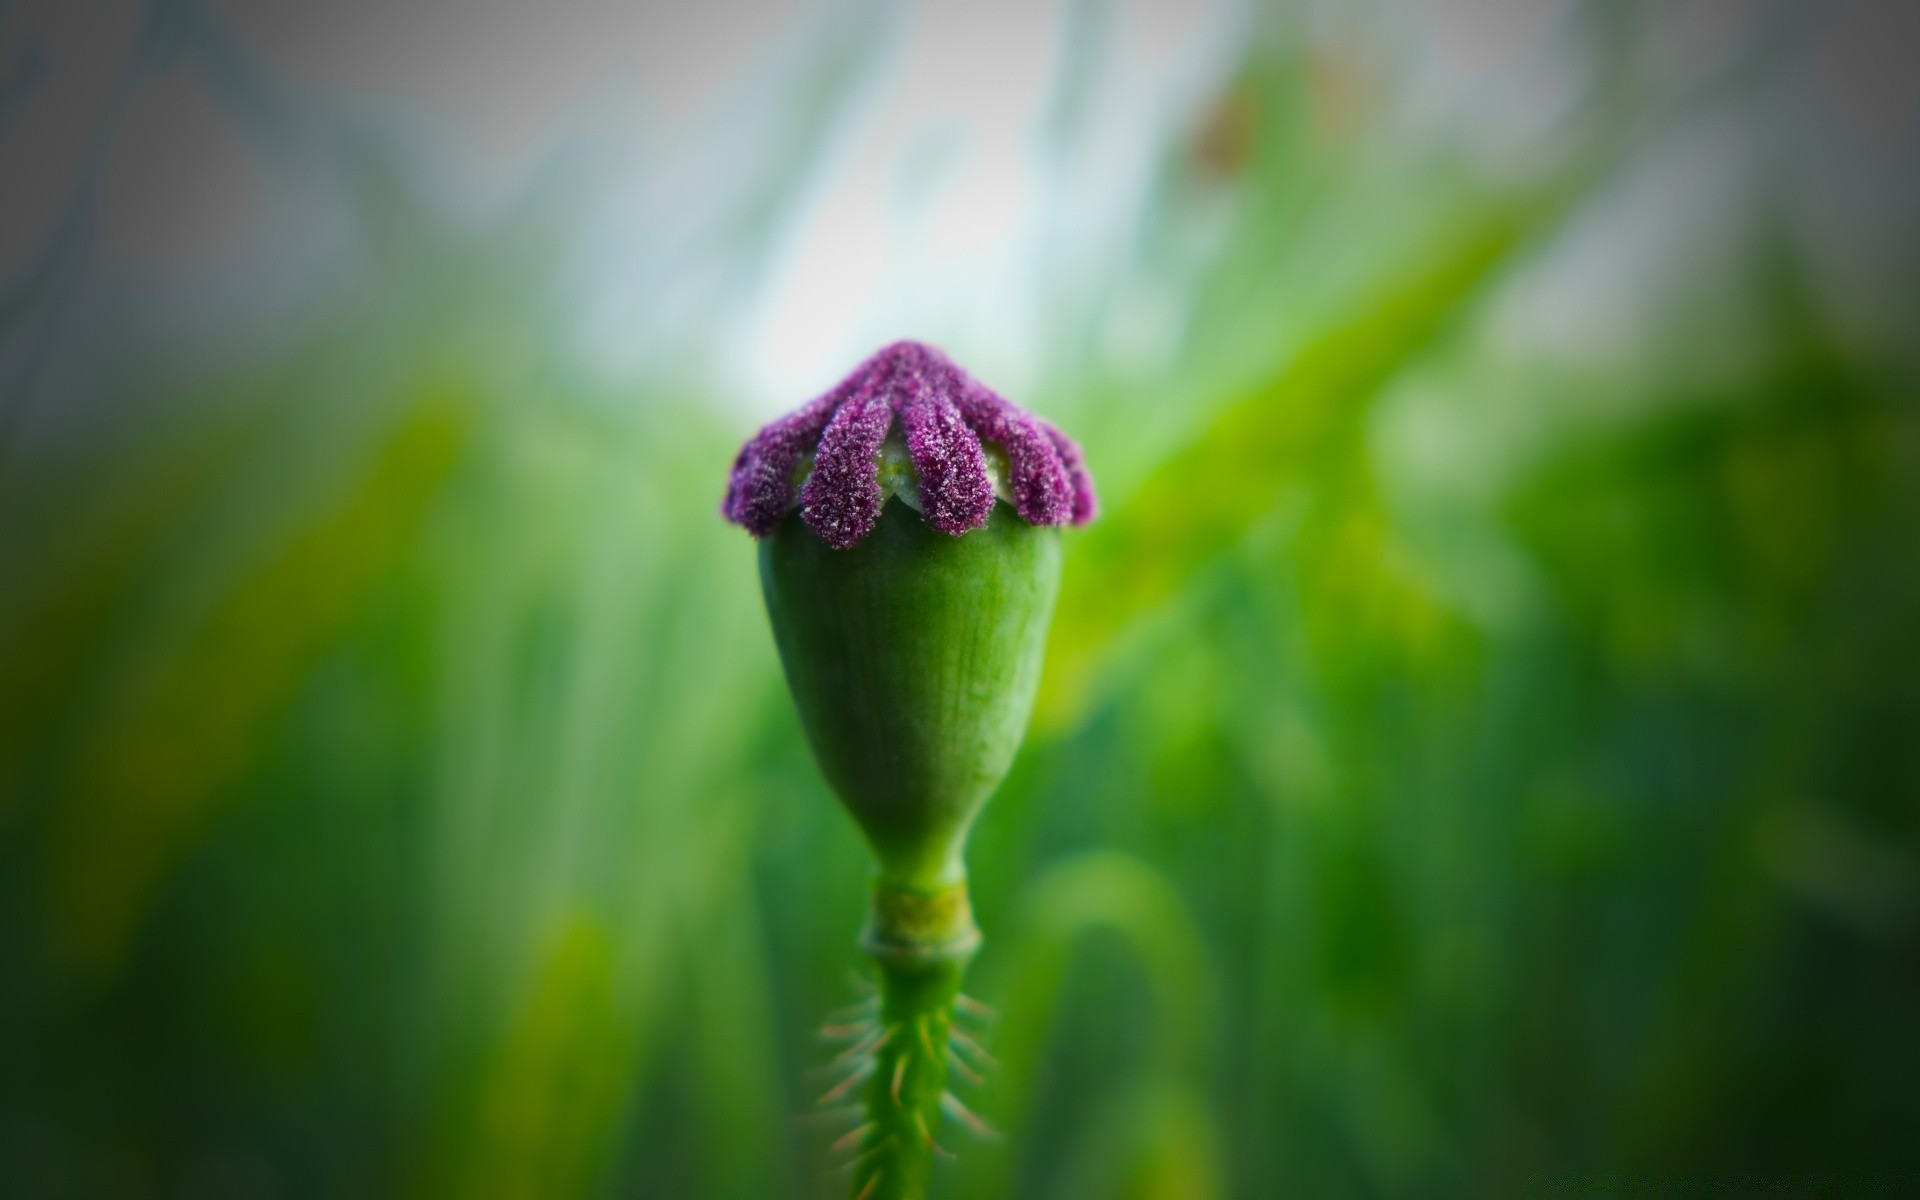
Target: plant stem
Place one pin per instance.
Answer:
(920, 941)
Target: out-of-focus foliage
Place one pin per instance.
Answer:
(1462, 770)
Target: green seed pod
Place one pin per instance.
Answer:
(910, 558)
(913, 658)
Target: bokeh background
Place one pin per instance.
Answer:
(1480, 748)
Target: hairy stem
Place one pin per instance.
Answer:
(920, 942)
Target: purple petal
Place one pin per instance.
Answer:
(956, 493)
(1042, 493)
(841, 500)
(945, 414)
(760, 491)
(1086, 504)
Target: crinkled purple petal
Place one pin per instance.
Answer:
(1042, 494)
(956, 493)
(944, 414)
(841, 499)
(760, 492)
(1086, 503)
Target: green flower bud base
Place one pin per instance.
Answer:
(913, 657)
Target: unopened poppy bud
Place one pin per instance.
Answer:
(911, 632)
(910, 556)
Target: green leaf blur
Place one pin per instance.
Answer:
(1463, 768)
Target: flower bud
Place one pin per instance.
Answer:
(910, 558)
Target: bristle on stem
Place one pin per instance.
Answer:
(866, 1046)
(966, 1072)
(951, 1105)
(851, 1139)
(920, 945)
(973, 1048)
(968, 1006)
(846, 1086)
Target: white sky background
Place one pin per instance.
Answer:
(936, 211)
(927, 218)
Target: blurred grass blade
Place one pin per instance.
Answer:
(58, 621)
(1097, 891)
(172, 736)
(1204, 499)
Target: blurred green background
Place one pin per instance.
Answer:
(1480, 748)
